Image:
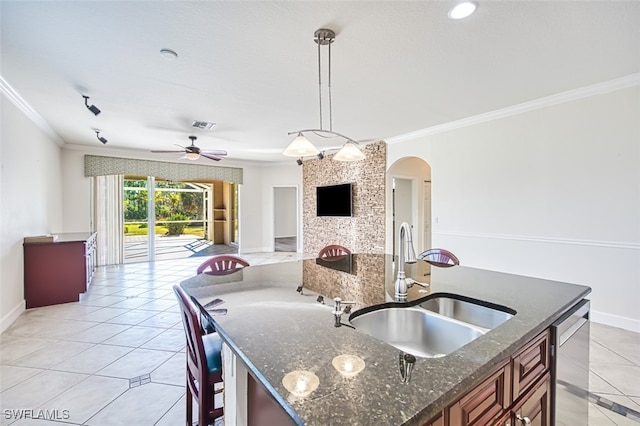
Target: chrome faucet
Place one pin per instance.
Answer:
(338, 310)
(405, 243)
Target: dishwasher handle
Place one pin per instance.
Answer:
(572, 321)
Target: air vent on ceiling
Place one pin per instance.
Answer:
(203, 125)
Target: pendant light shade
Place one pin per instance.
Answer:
(349, 152)
(301, 147)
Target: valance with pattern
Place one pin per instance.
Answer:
(95, 165)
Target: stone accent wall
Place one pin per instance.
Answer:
(364, 232)
(365, 284)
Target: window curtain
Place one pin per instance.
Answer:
(108, 218)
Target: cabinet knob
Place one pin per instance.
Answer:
(524, 420)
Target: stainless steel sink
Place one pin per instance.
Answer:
(468, 312)
(416, 330)
(432, 326)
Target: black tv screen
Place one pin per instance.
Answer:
(334, 200)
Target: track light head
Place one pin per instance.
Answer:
(100, 138)
(299, 161)
(94, 109)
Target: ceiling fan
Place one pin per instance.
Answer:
(192, 152)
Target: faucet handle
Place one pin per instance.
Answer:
(411, 282)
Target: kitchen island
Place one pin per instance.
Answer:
(273, 323)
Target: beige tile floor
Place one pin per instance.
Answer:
(117, 356)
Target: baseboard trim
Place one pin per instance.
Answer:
(616, 321)
(255, 250)
(8, 319)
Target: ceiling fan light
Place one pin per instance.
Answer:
(301, 147)
(349, 152)
(192, 156)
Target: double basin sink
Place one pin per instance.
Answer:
(432, 326)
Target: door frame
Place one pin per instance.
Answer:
(273, 218)
(415, 215)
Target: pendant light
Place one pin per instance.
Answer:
(301, 146)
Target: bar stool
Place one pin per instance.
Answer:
(204, 363)
(222, 264)
(439, 257)
(334, 250)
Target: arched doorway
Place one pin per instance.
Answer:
(409, 200)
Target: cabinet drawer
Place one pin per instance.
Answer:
(530, 363)
(485, 403)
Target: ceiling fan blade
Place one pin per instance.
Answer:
(210, 157)
(216, 152)
(165, 152)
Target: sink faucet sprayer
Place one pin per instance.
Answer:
(404, 243)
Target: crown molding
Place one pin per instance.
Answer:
(28, 110)
(559, 98)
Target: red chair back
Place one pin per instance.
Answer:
(222, 263)
(199, 381)
(333, 251)
(439, 257)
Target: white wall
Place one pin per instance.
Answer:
(30, 200)
(285, 211)
(551, 193)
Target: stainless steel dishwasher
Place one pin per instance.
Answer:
(570, 352)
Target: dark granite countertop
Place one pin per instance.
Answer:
(275, 330)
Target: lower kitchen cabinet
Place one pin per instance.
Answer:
(535, 407)
(436, 421)
(518, 393)
(485, 403)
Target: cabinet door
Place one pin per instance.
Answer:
(486, 403)
(436, 421)
(535, 407)
(530, 364)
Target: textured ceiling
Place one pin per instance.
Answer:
(251, 67)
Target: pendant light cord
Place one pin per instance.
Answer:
(319, 81)
(330, 109)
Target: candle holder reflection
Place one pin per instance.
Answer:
(300, 383)
(348, 365)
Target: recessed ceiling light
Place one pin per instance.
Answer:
(168, 54)
(463, 9)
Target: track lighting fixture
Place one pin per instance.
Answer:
(300, 146)
(100, 138)
(94, 109)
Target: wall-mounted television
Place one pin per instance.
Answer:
(334, 200)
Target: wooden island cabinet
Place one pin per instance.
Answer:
(58, 271)
(517, 393)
